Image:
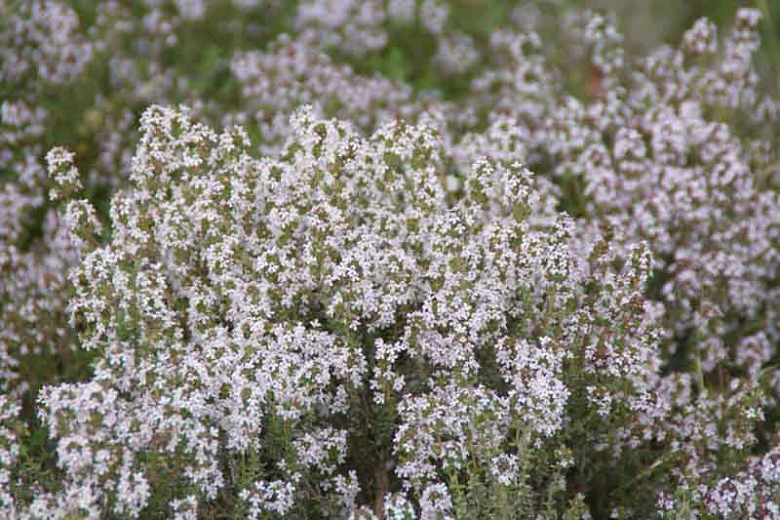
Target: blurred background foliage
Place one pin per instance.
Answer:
(81, 111)
(203, 55)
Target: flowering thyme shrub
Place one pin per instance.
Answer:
(324, 334)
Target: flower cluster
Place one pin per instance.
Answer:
(275, 82)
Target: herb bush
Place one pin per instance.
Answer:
(386, 259)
